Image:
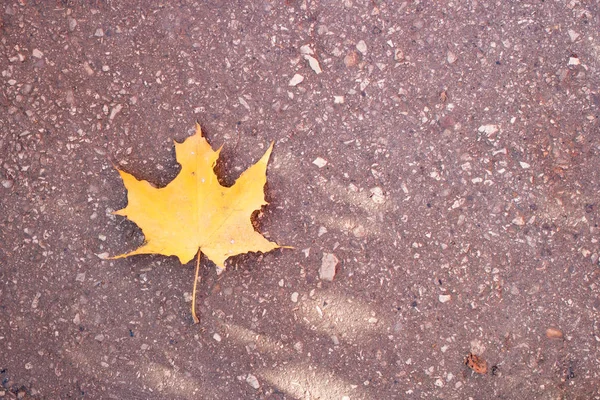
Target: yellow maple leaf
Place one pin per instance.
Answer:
(194, 214)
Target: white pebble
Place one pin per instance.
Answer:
(377, 195)
(314, 64)
(524, 165)
(37, 54)
(217, 337)
(444, 298)
(295, 297)
(362, 47)
(296, 80)
(328, 265)
(488, 129)
(252, 381)
(306, 49)
(99, 32)
(573, 35)
(319, 162)
(451, 57)
(518, 220)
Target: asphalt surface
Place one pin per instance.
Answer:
(435, 169)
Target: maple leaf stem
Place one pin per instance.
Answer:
(196, 319)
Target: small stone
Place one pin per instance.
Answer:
(99, 337)
(27, 88)
(553, 333)
(88, 69)
(328, 265)
(72, 23)
(80, 277)
(103, 256)
(335, 340)
(362, 47)
(295, 297)
(322, 231)
(99, 32)
(244, 103)
(104, 364)
(252, 381)
(524, 165)
(359, 232)
(114, 111)
(7, 183)
(36, 300)
(298, 346)
(419, 23)
(319, 162)
(217, 337)
(444, 298)
(351, 59)
(28, 365)
(296, 79)
(187, 297)
(451, 57)
(37, 54)
(439, 383)
(519, 220)
(488, 129)
(77, 319)
(573, 35)
(398, 55)
(377, 195)
(313, 63)
(144, 347)
(338, 99)
(574, 61)
(306, 50)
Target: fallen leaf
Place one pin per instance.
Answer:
(476, 363)
(194, 214)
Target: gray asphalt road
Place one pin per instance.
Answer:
(439, 159)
